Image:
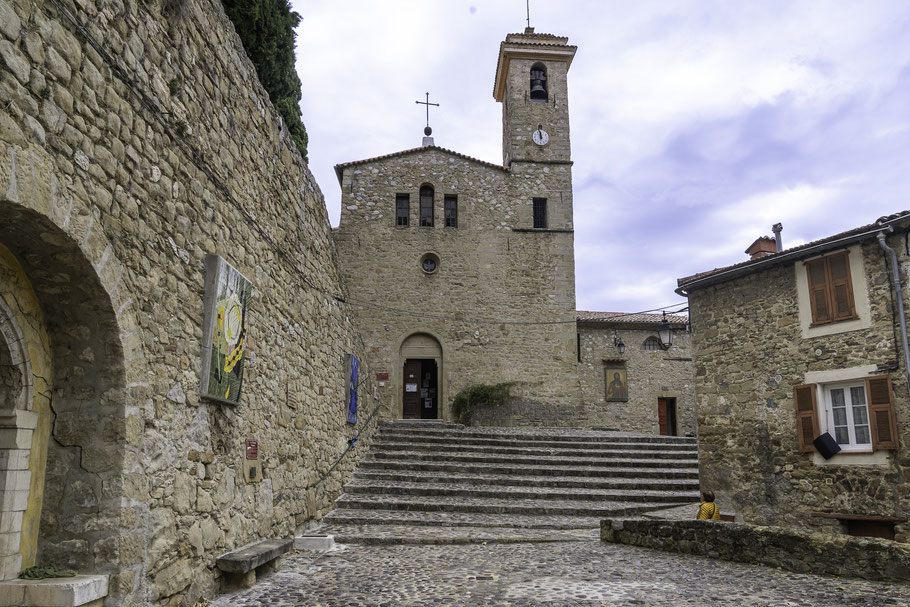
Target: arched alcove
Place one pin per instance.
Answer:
(79, 412)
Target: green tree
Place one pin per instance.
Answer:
(266, 28)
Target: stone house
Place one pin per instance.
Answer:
(797, 344)
(658, 393)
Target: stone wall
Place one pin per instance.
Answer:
(750, 352)
(652, 374)
(493, 281)
(798, 551)
(110, 197)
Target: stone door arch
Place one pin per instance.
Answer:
(61, 281)
(420, 371)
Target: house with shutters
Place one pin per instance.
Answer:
(801, 381)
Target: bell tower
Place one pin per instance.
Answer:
(531, 84)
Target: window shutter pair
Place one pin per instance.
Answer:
(883, 421)
(830, 289)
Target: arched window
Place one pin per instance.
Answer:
(652, 343)
(426, 206)
(538, 82)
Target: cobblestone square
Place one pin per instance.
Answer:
(557, 574)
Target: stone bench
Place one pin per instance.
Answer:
(240, 566)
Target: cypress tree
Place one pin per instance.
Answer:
(266, 28)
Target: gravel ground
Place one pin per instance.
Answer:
(559, 574)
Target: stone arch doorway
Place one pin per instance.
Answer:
(75, 479)
(420, 361)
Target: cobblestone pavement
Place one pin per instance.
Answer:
(558, 575)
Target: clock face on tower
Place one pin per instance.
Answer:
(540, 136)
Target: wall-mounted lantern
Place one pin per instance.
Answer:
(665, 333)
(617, 341)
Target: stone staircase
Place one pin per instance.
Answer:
(436, 482)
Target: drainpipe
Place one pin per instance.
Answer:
(895, 272)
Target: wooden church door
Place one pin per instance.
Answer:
(411, 397)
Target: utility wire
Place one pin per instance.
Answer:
(159, 115)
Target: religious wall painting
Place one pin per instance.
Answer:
(352, 371)
(617, 384)
(226, 314)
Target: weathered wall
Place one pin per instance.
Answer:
(652, 374)
(110, 197)
(788, 549)
(749, 354)
(489, 276)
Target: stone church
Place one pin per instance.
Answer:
(141, 162)
(462, 271)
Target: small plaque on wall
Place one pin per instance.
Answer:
(252, 468)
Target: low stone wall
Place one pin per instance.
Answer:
(799, 551)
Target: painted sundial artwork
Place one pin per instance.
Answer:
(224, 339)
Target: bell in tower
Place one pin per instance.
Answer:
(538, 83)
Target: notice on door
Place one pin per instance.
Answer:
(410, 387)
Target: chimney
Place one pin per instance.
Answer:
(777, 228)
(762, 247)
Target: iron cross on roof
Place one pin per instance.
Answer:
(427, 131)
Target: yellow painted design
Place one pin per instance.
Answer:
(17, 292)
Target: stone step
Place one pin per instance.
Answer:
(399, 535)
(567, 450)
(635, 460)
(535, 434)
(549, 507)
(649, 495)
(523, 480)
(358, 516)
(616, 468)
(422, 424)
(621, 442)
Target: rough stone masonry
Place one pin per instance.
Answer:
(135, 138)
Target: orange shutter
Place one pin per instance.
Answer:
(818, 291)
(841, 289)
(881, 413)
(806, 416)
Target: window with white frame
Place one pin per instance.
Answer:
(848, 415)
(858, 413)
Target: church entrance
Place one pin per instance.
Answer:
(421, 396)
(421, 377)
(666, 416)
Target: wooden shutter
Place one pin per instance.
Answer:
(806, 416)
(841, 290)
(817, 272)
(881, 413)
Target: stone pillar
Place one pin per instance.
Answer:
(16, 430)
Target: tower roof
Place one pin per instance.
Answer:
(544, 47)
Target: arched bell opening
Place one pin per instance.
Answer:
(539, 83)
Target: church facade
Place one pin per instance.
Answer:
(462, 271)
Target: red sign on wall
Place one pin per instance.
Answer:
(252, 449)
(382, 376)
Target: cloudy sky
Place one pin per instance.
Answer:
(695, 125)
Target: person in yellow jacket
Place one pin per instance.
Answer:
(708, 509)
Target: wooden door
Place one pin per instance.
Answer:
(410, 398)
(666, 416)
